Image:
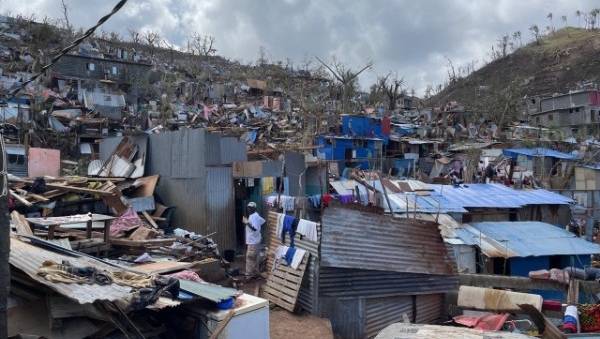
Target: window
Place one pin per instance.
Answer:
(533, 101)
(115, 70)
(570, 110)
(89, 66)
(550, 118)
(577, 109)
(537, 120)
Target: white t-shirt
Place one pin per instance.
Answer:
(254, 237)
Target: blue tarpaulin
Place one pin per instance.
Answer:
(537, 152)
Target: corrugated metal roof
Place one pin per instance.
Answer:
(497, 196)
(208, 291)
(29, 258)
(538, 152)
(524, 239)
(471, 145)
(451, 199)
(360, 240)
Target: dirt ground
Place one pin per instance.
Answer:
(284, 324)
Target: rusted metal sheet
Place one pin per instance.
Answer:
(429, 308)
(368, 241)
(29, 259)
(381, 312)
(347, 283)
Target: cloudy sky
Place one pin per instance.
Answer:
(414, 39)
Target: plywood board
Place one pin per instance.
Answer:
(44, 161)
(163, 267)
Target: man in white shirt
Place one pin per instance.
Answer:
(253, 225)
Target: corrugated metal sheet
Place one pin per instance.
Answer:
(496, 196)
(213, 147)
(29, 258)
(295, 169)
(212, 292)
(232, 149)
(381, 312)
(188, 198)
(159, 155)
(220, 203)
(359, 240)
(471, 146)
(524, 239)
(350, 283)
(429, 308)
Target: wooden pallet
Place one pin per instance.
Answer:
(283, 284)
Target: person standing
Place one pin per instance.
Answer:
(253, 224)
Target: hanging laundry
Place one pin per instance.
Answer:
(290, 224)
(280, 253)
(297, 258)
(307, 229)
(316, 200)
(346, 199)
(279, 225)
(289, 255)
(326, 199)
(268, 185)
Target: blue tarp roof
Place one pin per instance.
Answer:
(524, 239)
(537, 152)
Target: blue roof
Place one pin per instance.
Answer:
(496, 196)
(524, 239)
(537, 152)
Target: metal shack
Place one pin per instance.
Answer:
(368, 269)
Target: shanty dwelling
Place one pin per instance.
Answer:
(552, 168)
(465, 202)
(360, 143)
(519, 247)
(367, 270)
(97, 81)
(586, 194)
(196, 177)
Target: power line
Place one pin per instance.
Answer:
(66, 50)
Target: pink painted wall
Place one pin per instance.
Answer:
(44, 161)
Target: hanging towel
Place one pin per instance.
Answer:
(280, 253)
(297, 259)
(307, 229)
(279, 225)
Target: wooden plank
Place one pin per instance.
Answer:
(284, 282)
(145, 186)
(222, 325)
(149, 219)
(21, 225)
(142, 243)
(164, 267)
(78, 189)
(20, 199)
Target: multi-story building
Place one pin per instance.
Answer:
(575, 113)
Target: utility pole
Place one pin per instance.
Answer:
(4, 234)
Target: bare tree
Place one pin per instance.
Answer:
(549, 16)
(578, 15)
(535, 32)
(204, 46)
(391, 86)
(347, 78)
(134, 36)
(153, 40)
(564, 19)
(68, 33)
(502, 43)
(452, 77)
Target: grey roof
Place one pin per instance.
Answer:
(508, 239)
(450, 199)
